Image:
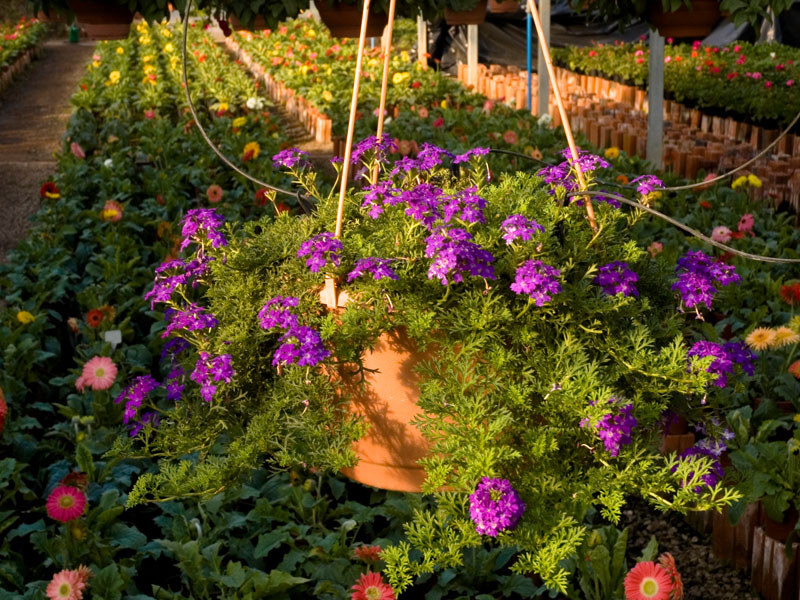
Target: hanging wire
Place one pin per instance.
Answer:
(303, 200)
(686, 228)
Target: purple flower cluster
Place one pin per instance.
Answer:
(616, 278)
(519, 226)
(423, 203)
(495, 506)
(290, 158)
(615, 428)
(646, 184)
(173, 347)
(716, 473)
(192, 318)
(182, 273)
(209, 369)
(428, 157)
(300, 344)
(538, 280)
(454, 253)
(562, 173)
(318, 247)
(725, 357)
(465, 205)
(377, 267)
(134, 394)
(148, 417)
(174, 383)
(697, 274)
(462, 158)
(202, 221)
(379, 195)
(381, 147)
(276, 313)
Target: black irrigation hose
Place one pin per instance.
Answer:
(686, 228)
(302, 200)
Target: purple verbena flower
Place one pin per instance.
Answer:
(302, 345)
(495, 506)
(191, 318)
(722, 365)
(379, 195)
(377, 267)
(461, 158)
(276, 313)
(711, 478)
(615, 427)
(466, 205)
(431, 156)
(318, 247)
(173, 347)
(646, 184)
(173, 383)
(149, 417)
(423, 203)
(616, 278)
(537, 280)
(134, 394)
(381, 147)
(519, 226)
(697, 273)
(199, 221)
(742, 356)
(452, 252)
(290, 158)
(209, 369)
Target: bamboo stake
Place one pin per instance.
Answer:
(385, 80)
(561, 110)
(351, 125)
(328, 294)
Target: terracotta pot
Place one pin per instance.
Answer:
(503, 6)
(694, 22)
(344, 20)
(102, 20)
(476, 16)
(258, 24)
(387, 401)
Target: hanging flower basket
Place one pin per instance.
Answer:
(344, 20)
(696, 21)
(102, 20)
(386, 399)
(503, 6)
(476, 16)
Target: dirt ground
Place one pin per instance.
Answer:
(33, 116)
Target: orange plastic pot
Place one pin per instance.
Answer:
(386, 400)
(344, 20)
(503, 6)
(102, 20)
(696, 21)
(476, 16)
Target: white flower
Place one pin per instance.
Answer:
(108, 163)
(255, 103)
(772, 55)
(545, 120)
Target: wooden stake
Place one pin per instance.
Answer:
(562, 111)
(385, 80)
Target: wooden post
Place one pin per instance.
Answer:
(387, 50)
(655, 101)
(472, 56)
(541, 66)
(422, 41)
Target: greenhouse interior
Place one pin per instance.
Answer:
(213, 386)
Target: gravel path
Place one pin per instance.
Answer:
(33, 118)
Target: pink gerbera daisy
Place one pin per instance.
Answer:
(99, 373)
(647, 581)
(66, 585)
(372, 587)
(510, 137)
(66, 503)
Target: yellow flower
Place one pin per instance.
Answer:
(760, 338)
(252, 149)
(120, 50)
(165, 32)
(147, 58)
(113, 77)
(611, 153)
(785, 336)
(169, 47)
(327, 96)
(400, 77)
(222, 107)
(304, 69)
(25, 317)
(149, 69)
(794, 323)
(404, 56)
(797, 417)
(96, 63)
(372, 62)
(239, 122)
(311, 34)
(754, 181)
(739, 182)
(144, 40)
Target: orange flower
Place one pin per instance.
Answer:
(251, 151)
(667, 563)
(94, 317)
(794, 369)
(622, 179)
(369, 554)
(214, 193)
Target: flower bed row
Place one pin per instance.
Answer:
(19, 44)
(755, 83)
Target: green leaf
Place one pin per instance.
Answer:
(125, 536)
(650, 551)
(275, 582)
(26, 529)
(107, 583)
(83, 456)
(269, 541)
(235, 575)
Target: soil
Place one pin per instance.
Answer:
(33, 117)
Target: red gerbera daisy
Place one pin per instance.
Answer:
(66, 503)
(647, 581)
(94, 317)
(372, 587)
(369, 554)
(667, 563)
(49, 190)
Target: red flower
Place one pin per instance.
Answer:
(705, 204)
(438, 122)
(94, 317)
(647, 581)
(372, 587)
(791, 293)
(3, 411)
(369, 554)
(668, 564)
(415, 84)
(49, 190)
(281, 207)
(261, 197)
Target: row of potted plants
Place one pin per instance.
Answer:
(19, 42)
(753, 82)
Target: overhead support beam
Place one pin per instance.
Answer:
(655, 101)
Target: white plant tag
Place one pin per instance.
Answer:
(114, 337)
